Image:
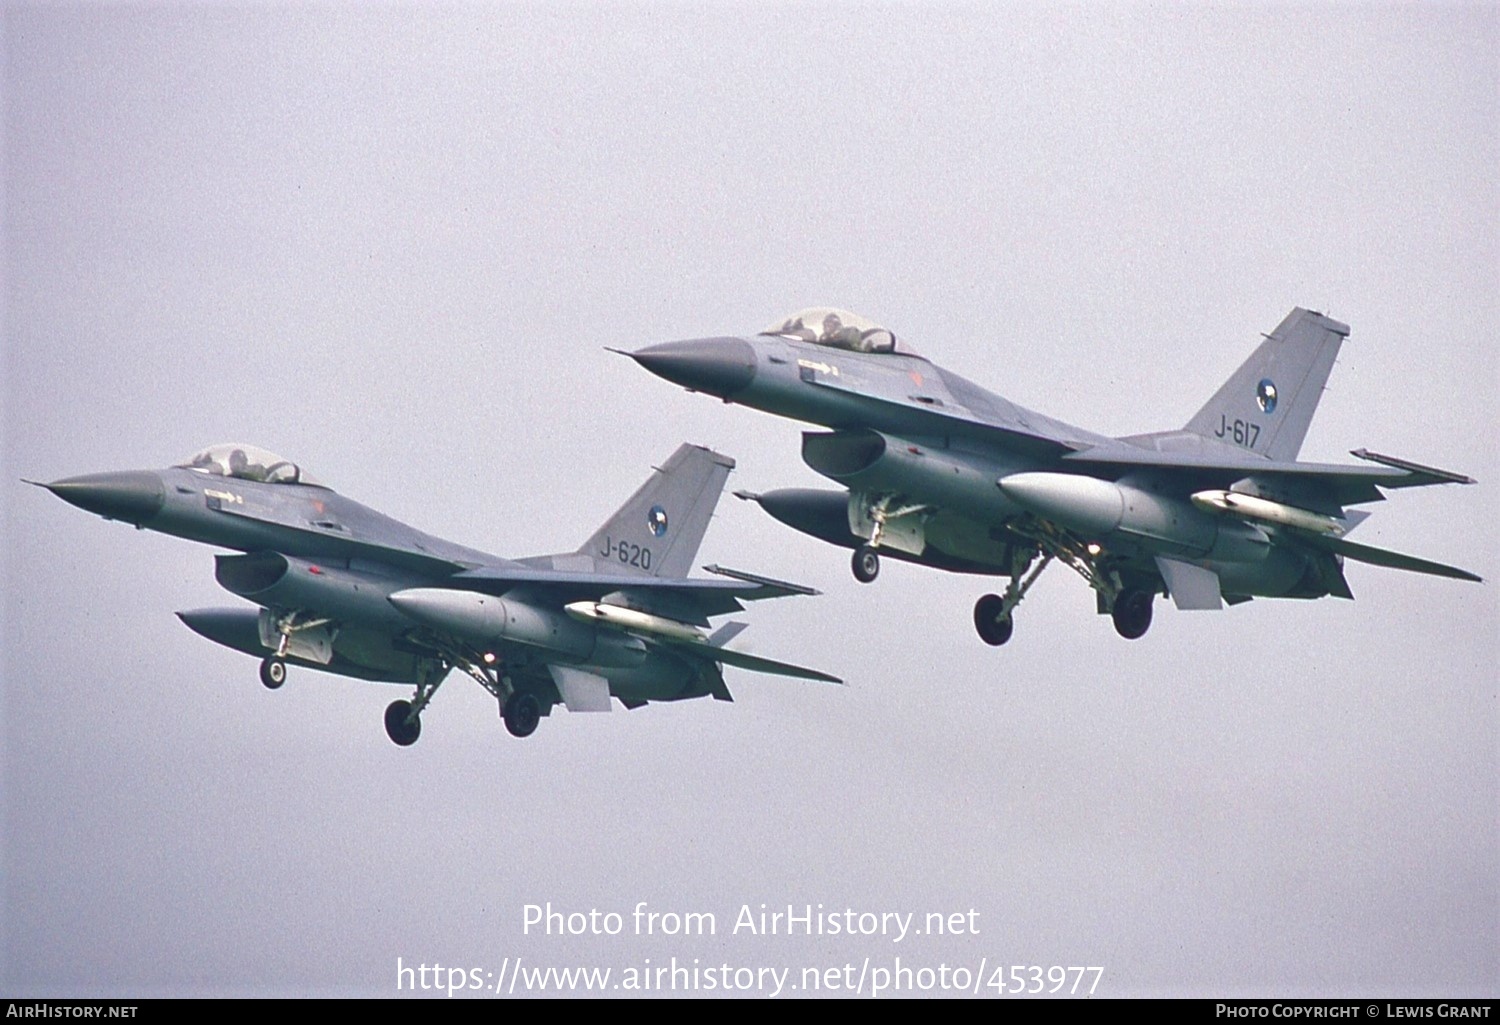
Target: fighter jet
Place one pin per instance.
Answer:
(936, 470)
(345, 589)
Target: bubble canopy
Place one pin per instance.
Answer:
(838, 329)
(247, 462)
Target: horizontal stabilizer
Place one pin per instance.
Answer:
(729, 657)
(741, 660)
(1385, 557)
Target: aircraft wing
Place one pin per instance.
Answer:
(706, 597)
(1343, 484)
(1008, 425)
(406, 549)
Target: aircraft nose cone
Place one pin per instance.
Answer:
(717, 366)
(134, 496)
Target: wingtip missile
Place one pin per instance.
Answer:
(1264, 510)
(1430, 474)
(622, 618)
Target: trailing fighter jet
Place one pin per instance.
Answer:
(347, 590)
(938, 471)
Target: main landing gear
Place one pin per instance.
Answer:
(403, 719)
(436, 656)
(272, 672)
(992, 620)
(1132, 613)
(993, 614)
(1129, 606)
(402, 725)
(521, 714)
(521, 710)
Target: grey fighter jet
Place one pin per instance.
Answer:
(937, 470)
(347, 590)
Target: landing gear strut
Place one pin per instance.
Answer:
(403, 722)
(993, 614)
(878, 512)
(273, 667)
(521, 710)
(1128, 605)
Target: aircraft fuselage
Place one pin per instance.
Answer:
(911, 434)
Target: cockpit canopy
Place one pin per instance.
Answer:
(247, 462)
(838, 329)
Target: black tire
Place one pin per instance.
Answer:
(401, 732)
(993, 628)
(272, 672)
(522, 714)
(866, 564)
(1132, 613)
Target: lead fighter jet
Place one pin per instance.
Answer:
(936, 470)
(347, 590)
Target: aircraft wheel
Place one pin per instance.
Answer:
(994, 629)
(397, 728)
(866, 564)
(522, 713)
(272, 672)
(1132, 613)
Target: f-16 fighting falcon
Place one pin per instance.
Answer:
(347, 590)
(936, 470)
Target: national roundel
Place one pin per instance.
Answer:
(656, 521)
(1265, 395)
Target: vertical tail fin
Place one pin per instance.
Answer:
(1268, 403)
(659, 528)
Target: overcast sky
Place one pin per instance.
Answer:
(392, 245)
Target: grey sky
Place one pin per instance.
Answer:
(392, 245)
